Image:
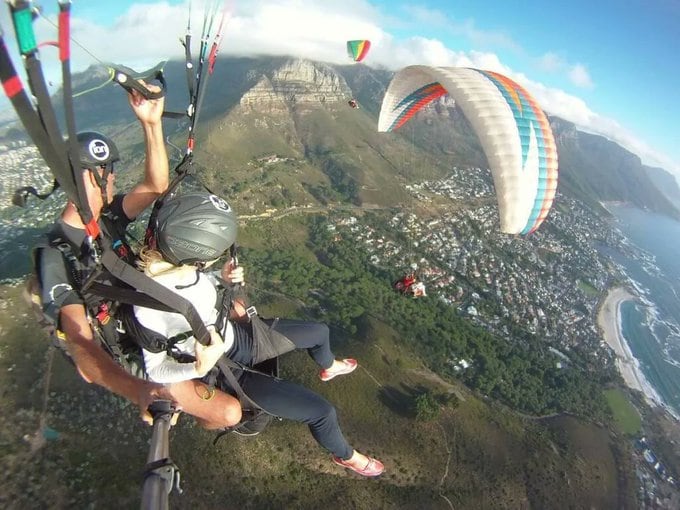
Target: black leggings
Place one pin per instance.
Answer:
(289, 400)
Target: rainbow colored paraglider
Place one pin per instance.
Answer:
(513, 130)
(357, 50)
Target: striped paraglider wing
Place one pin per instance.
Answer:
(513, 131)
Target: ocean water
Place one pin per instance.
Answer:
(651, 327)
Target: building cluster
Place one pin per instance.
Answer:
(657, 485)
(270, 159)
(21, 165)
(547, 284)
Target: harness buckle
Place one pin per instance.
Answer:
(251, 312)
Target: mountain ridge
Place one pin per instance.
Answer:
(297, 107)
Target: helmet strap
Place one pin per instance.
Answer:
(102, 180)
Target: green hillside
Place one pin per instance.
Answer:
(473, 454)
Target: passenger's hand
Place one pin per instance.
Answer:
(238, 311)
(233, 274)
(150, 392)
(148, 111)
(207, 355)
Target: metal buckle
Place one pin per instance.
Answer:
(251, 312)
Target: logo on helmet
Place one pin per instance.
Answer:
(220, 203)
(196, 249)
(99, 149)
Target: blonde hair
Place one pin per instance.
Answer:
(153, 264)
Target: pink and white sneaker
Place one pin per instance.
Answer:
(349, 365)
(373, 468)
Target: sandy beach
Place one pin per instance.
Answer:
(609, 321)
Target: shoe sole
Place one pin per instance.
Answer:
(339, 373)
(358, 472)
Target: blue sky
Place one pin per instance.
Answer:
(610, 66)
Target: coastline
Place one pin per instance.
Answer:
(609, 320)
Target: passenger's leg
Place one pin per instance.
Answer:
(212, 412)
(295, 402)
(313, 336)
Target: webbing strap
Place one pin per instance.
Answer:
(21, 194)
(23, 106)
(41, 121)
(16, 93)
(128, 274)
(189, 65)
(225, 365)
(71, 147)
(196, 77)
(127, 296)
(231, 292)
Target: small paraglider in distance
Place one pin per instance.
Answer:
(409, 284)
(400, 285)
(358, 49)
(408, 280)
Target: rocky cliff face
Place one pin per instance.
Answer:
(564, 131)
(296, 84)
(263, 98)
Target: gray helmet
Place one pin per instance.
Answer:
(195, 227)
(96, 149)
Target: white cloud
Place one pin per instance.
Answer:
(550, 62)
(578, 75)
(418, 16)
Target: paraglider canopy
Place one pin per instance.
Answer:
(512, 129)
(358, 49)
(353, 103)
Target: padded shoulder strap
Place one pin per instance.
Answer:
(139, 281)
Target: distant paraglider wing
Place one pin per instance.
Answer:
(513, 131)
(357, 50)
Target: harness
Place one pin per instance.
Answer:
(110, 311)
(268, 346)
(112, 283)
